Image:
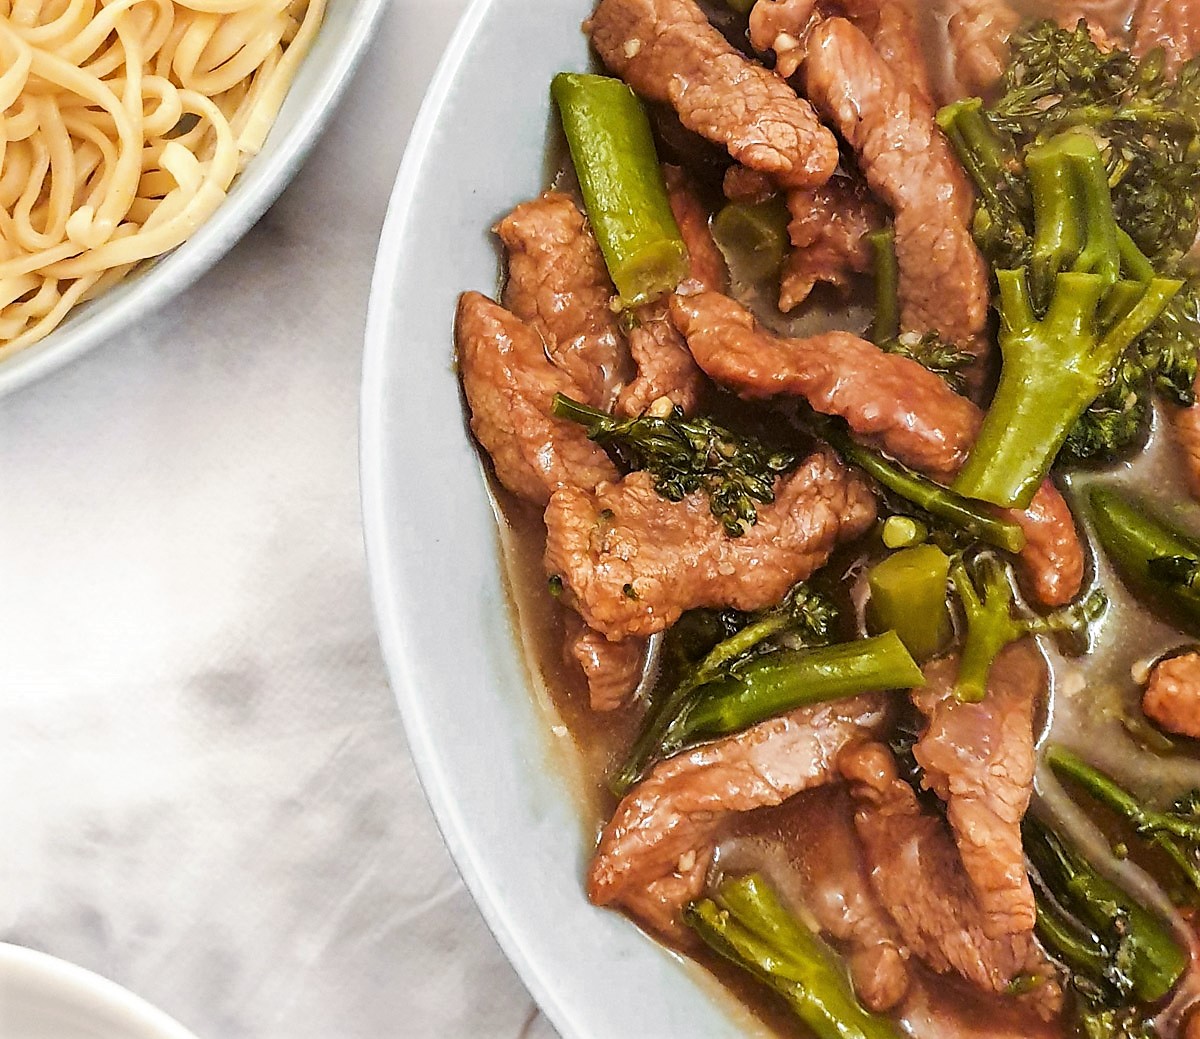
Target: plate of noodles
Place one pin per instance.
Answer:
(138, 142)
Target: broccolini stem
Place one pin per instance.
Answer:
(755, 234)
(747, 924)
(613, 152)
(990, 625)
(1080, 950)
(908, 596)
(979, 147)
(886, 325)
(767, 686)
(1135, 540)
(940, 502)
(665, 713)
(1147, 960)
(1112, 795)
(1134, 264)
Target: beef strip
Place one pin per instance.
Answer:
(783, 25)
(667, 51)
(838, 893)
(632, 562)
(889, 400)
(653, 855)
(665, 368)
(1172, 697)
(911, 167)
(979, 31)
(746, 185)
(510, 385)
(979, 759)
(612, 669)
(558, 284)
(1185, 422)
(918, 876)
(828, 232)
(1173, 25)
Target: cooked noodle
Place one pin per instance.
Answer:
(122, 125)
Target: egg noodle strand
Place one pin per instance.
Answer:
(122, 125)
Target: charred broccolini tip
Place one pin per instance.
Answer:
(745, 922)
(985, 589)
(688, 454)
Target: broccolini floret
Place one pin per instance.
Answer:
(686, 455)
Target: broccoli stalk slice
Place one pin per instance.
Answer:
(1062, 338)
(1143, 958)
(1053, 369)
(886, 269)
(986, 592)
(688, 454)
(747, 924)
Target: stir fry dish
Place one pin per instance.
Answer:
(841, 400)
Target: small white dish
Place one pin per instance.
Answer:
(320, 81)
(507, 806)
(43, 997)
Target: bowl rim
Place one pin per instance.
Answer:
(385, 592)
(95, 988)
(253, 192)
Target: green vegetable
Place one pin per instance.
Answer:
(804, 617)
(1122, 948)
(756, 233)
(986, 592)
(770, 685)
(1148, 134)
(1061, 339)
(903, 532)
(1150, 555)
(1176, 832)
(886, 326)
(746, 923)
(931, 351)
(908, 596)
(972, 518)
(685, 455)
(622, 185)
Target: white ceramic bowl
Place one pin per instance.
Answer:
(42, 997)
(320, 81)
(506, 803)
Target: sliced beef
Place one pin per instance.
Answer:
(633, 562)
(979, 31)
(780, 26)
(653, 855)
(741, 184)
(1172, 697)
(979, 759)
(838, 893)
(558, 284)
(665, 368)
(828, 232)
(918, 876)
(890, 400)
(911, 167)
(612, 669)
(667, 51)
(1185, 422)
(510, 385)
(1173, 25)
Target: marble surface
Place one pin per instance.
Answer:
(206, 791)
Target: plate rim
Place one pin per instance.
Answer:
(384, 592)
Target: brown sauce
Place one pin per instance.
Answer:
(1090, 695)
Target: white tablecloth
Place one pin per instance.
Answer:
(204, 788)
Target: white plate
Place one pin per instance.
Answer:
(319, 82)
(506, 806)
(42, 997)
